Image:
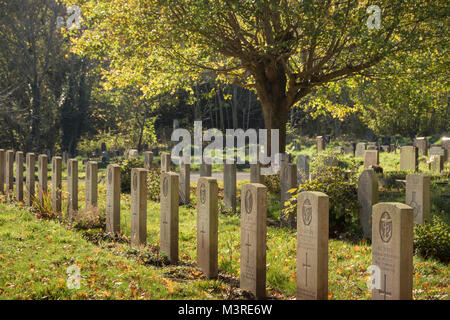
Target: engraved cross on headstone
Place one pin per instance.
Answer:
(248, 245)
(384, 291)
(202, 231)
(306, 266)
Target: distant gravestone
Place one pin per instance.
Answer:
(446, 146)
(205, 168)
(91, 184)
(229, 186)
(284, 173)
(303, 169)
(339, 150)
(392, 251)
(57, 184)
(30, 185)
(367, 197)
(19, 176)
(2, 170)
(349, 150)
(290, 181)
(207, 226)
(255, 173)
(165, 162)
(422, 146)
(9, 171)
(312, 245)
(138, 207)
(253, 239)
(42, 176)
(437, 150)
(65, 157)
(360, 149)
(113, 199)
(185, 182)
(372, 145)
(169, 224)
(72, 187)
(148, 160)
(371, 158)
(133, 154)
(320, 143)
(437, 163)
(418, 187)
(408, 158)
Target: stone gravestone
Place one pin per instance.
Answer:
(284, 174)
(205, 169)
(422, 146)
(312, 245)
(165, 162)
(408, 158)
(169, 215)
(2, 170)
(253, 239)
(207, 226)
(255, 173)
(418, 196)
(392, 251)
(360, 149)
(349, 150)
(437, 163)
(65, 157)
(42, 176)
(9, 171)
(56, 184)
(185, 182)
(138, 207)
(367, 197)
(72, 187)
(113, 199)
(91, 184)
(30, 187)
(19, 176)
(290, 181)
(339, 150)
(371, 158)
(446, 146)
(320, 143)
(437, 150)
(303, 168)
(372, 145)
(148, 160)
(133, 154)
(229, 186)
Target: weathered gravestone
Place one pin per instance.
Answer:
(207, 226)
(148, 160)
(418, 196)
(360, 149)
(446, 146)
(206, 168)
(255, 173)
(138, 207)
(392, 251)
(19, 176)
(312, 245)
(30, 187)
(437, 163)
(165, 162)
(2, 170)
(437, 150)
(229, 186)
(371, 158)
(42, 176)
(57, 184)
(253, 239)
(185, 182)
(422, 146)
(367, 197)
(133, 154)
(284, 173)
(72, 187)
(373, 145)
(349, 150)
(289, 180)
(9, 173)
(169, 215)
(91, 184)
(320, 143)
(408, 158)
(113, 199)
(303, 169)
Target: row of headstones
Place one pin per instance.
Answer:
(391, 226)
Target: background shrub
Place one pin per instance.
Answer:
(153, 184)
(433, 240)
(125, 173)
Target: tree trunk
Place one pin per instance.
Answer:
(275, 118)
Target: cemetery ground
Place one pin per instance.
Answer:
(35, 253)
